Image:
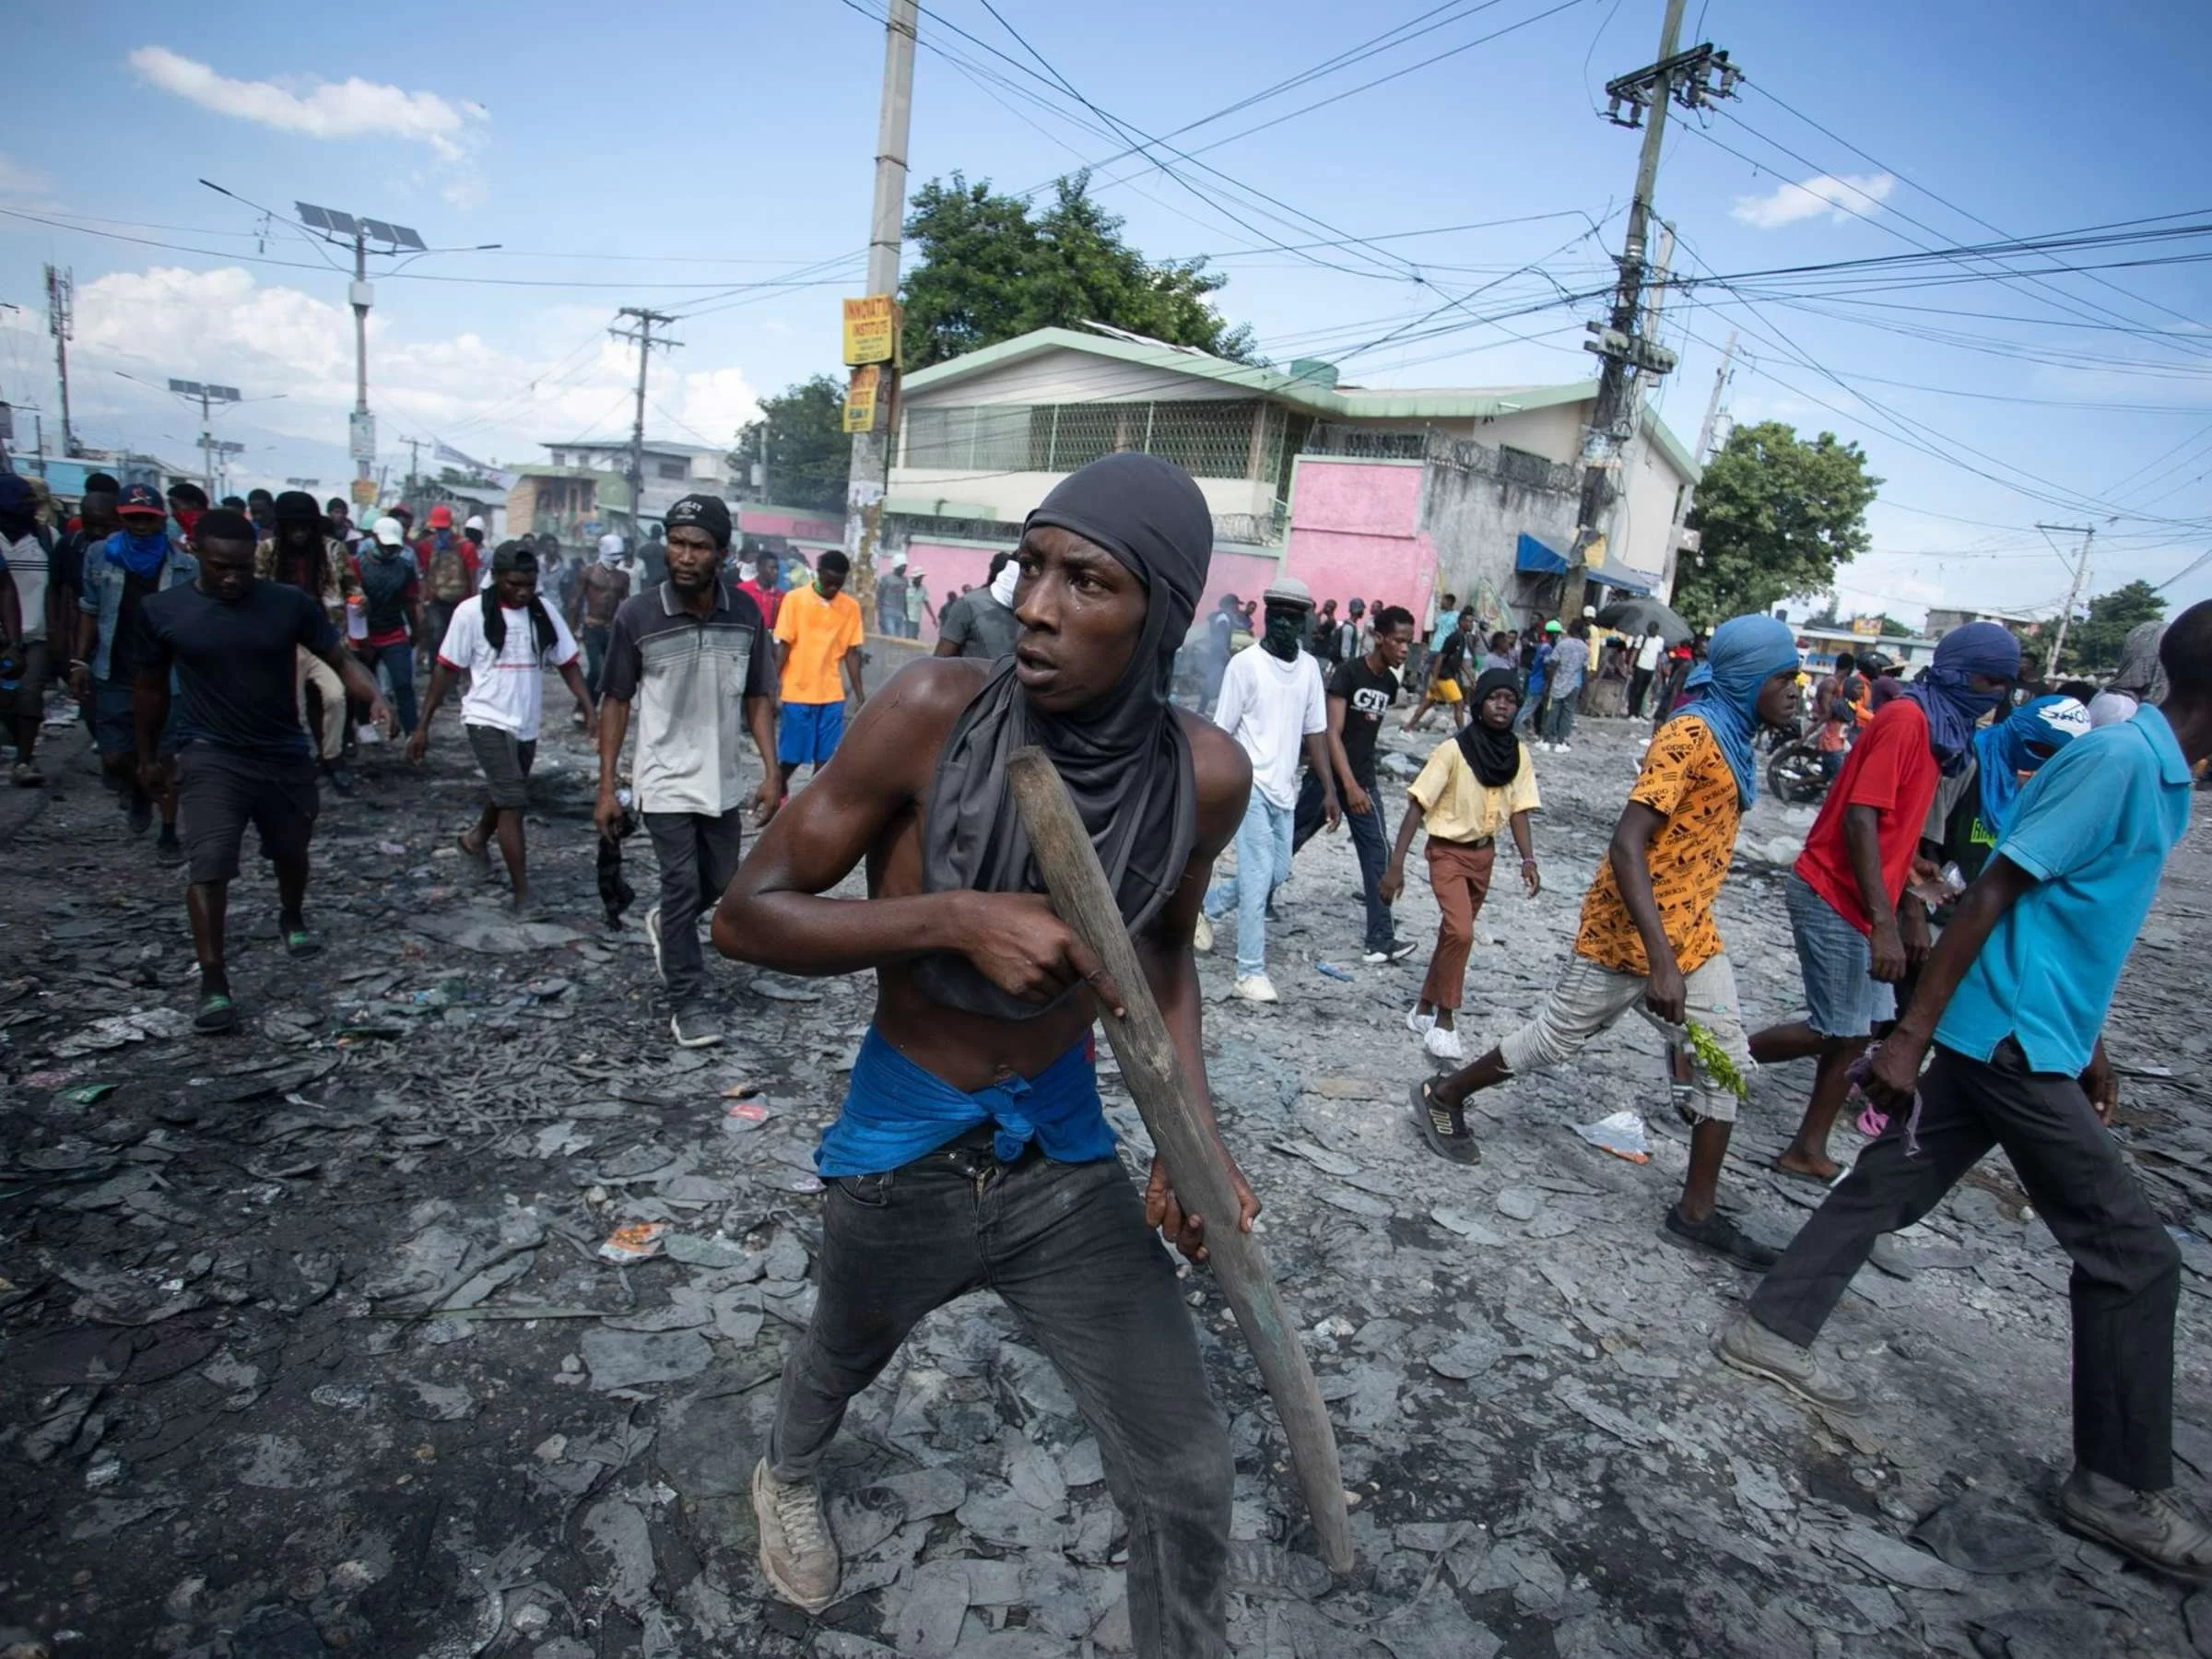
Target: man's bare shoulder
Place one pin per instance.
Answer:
(1223, 771)
(932, 690)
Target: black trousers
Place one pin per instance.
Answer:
(2127, 1273)
(1640, 687)
(1066, 1247)
(699, 854)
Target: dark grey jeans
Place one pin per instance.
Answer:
(2127, 1272)
(699, 855)
(1065, 1245)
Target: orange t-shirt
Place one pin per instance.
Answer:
(819, 631)
(1687, 778)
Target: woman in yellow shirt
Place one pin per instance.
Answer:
(1473, 787)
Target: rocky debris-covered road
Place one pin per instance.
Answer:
(310, 1340)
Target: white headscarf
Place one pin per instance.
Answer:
(610, 549)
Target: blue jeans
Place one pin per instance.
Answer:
(1559, 719)
(399, 663)
(594, 640)
(1262, 864)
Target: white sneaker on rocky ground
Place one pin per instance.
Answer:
(1748, 1346)
(2153, 1528)
(1418, 1022)
(1562, 748)
(1397, 951)
(797, 1553)
(1442, 1044)
(1541, 746)
(1202, 936)
(694, 1027)
(1257, 987)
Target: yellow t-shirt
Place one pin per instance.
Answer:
(819, 631)
(1687, 778)
(1456, 805)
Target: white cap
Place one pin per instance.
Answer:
(389, 532)
(610, 543)
(476, 521)
(1589, 610)
(1288, 590)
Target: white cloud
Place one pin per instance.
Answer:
(1839, 198)
(352, 108)
(223, 325)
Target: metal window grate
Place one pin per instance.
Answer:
(1206, 438)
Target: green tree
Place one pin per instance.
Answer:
(991, 268)
(1776, 516)
(2093, 645)
(809, 457)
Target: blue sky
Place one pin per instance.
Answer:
(672, 161)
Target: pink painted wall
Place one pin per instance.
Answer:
(773, 521)
(1355, 533)
(943, 568)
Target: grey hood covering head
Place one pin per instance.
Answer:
(1125, 758)
(2140, 673)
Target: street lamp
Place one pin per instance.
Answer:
(206, 395)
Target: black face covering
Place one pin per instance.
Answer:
(1285, 628)
(1495, 756)
(1125, 758)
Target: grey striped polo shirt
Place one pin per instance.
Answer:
(687, 678)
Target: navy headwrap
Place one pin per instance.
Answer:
(1953, 708)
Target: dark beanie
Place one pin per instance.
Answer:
(708, 513)
(295, 506)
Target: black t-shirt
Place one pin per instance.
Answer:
(235, 661)
(1367, 695)
(1452, 662)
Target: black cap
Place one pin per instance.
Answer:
(707, 512)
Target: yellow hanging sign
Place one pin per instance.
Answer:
(864, 399)
(872, 329)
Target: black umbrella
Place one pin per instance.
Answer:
(1636, 618)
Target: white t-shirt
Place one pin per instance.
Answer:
(1647, 654)
(29, 564)
(1270, 707)
(506, 688)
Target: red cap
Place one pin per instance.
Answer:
(441, 517)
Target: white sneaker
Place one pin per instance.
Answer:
(1442, 1044)
(1399, 950)
(1562, 748)
(798, 1555)
(1418, 1022)
(1541, 746)
(1202, 936)
(1258, 988)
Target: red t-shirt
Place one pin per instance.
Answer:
(1892, 770)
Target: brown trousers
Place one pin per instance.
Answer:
(1461, 876)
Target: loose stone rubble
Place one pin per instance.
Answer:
(310, 1346)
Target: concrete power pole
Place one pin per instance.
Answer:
(643, 334)
(2081, 576)
(1707, 429)
(1687, 77)
(61, 321)
(887, 224)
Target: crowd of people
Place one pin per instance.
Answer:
(1971, 886)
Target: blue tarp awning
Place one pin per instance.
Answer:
(1622, 580)
(1534, 556)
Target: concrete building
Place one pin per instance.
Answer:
(1941, 622)
(1822, 641)
(1398, 495)
(671, 470)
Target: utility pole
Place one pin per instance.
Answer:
(887, 225)
(360, 435)
(1637, 443)
(414, 483)
(2082, 577)
(61, 321)
(643, 334)
(1703, 453)
(1691, 78)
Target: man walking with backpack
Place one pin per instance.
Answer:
(391, 596)
(449, 571)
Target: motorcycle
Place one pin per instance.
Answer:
(1797, 775)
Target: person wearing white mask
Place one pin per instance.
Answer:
(599, 593)
(981, 623)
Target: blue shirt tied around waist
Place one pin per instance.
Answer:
(896, 1111)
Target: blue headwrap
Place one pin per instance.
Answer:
(140, 555)
(2002, 753)
(1942, 692)
(1743, 655)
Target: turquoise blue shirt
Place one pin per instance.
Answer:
(2093, 827)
